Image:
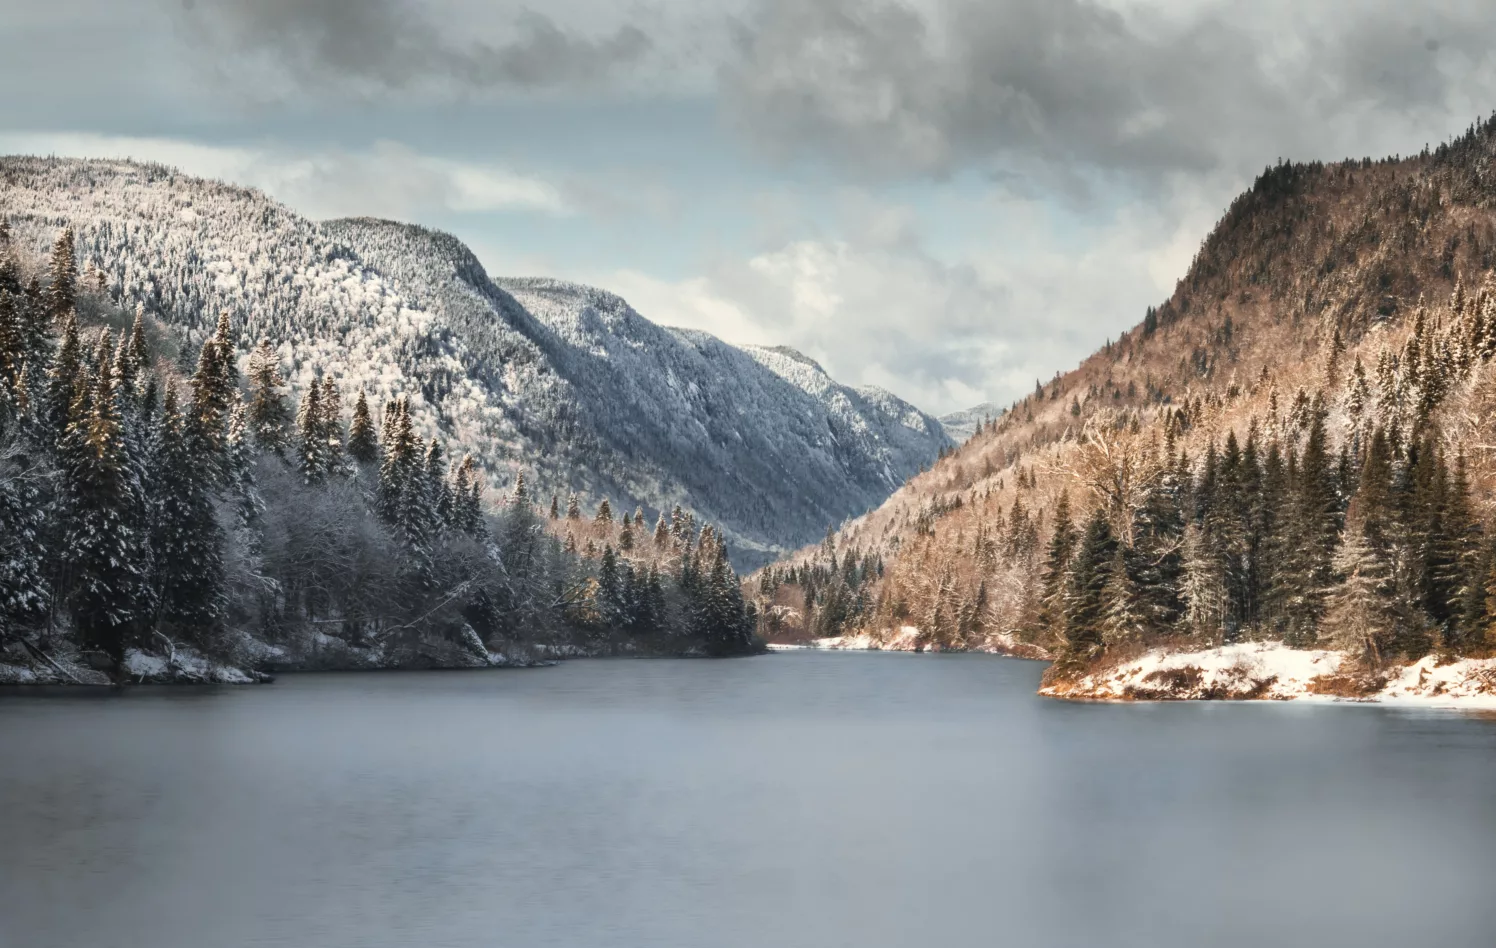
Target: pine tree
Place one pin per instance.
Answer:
(62, 272)
(105, 545)
(25, 592)
(661, 532)
(604, 514)
(1306, 573)
(186, 540)
(140, 355)
(521, 491)
(573, 508)
(555, 512)
(1056, 568)
(363, 446)
(269, 416)
(1085, 595)
(330, 424)
(214, 392)
(1363, 615)
(311, 444)
(438, 509)
(467, 499)
(65, 382)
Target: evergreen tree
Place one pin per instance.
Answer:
(62, 272)
(186, 540)
(604, 514)
(467, 502)
(1306, 572)
(330, 423)
(214, 393)
(1085, 596)
(105, 545)
(269, 416)
(311, 443)
(363, 446)
(66, 383)
(24, 589)
(1056, 568)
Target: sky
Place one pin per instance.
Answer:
(946, 198)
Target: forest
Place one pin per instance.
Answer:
(1373, 546)
(1295, 450)
(162, 514)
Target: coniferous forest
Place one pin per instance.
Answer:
(1293, 451)
(170, 517)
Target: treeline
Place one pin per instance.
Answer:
(823, 597)
(1343, 517)
(140, 509)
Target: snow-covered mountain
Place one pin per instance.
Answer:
(961, 425)
(566, 383)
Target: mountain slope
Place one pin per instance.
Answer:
(1332, 305)
(566, 383)
(962, 424)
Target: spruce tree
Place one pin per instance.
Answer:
(311, 442)
(330, 423)
(214, 393)
(269, 415)
(25, 593)
(363, 445)
(186, 540)
(62, 273)
(1085, 595)
(105, 544)
(1056, 568)
(65, 381)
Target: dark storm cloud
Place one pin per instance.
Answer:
(951, 83)
(398, 44)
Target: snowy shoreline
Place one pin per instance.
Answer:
(907, 639)
(1260, 671)
(1254, 671)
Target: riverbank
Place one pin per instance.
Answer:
(251, 661)
(908, 639)
(1262, 671)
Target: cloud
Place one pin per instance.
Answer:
(387, 180)
(1045, 86)
(369, 47)
(879, 308)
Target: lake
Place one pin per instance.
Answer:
(798, 799)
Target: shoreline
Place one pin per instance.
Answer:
(1253, 671)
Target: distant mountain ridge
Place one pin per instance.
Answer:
(564, 382)
(961, 425)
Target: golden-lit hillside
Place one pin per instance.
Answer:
(1317, 389)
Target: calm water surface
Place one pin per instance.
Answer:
(793, 800)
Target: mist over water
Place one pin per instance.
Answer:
(792, 800)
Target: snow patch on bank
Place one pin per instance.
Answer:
(1467, 683)
(907, 638)
(1275, 672)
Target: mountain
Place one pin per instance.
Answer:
(1292, 448)
(565, 383)
(961, 425)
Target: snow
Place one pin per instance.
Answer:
(1273, 671)
(906, 638)
(565, 382)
